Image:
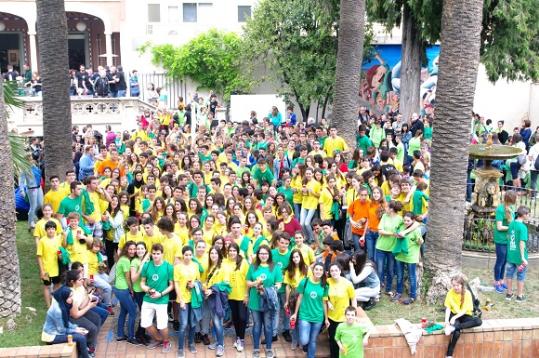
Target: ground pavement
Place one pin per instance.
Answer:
(107, 347)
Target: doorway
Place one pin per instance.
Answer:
(10, 51)
(77, 50)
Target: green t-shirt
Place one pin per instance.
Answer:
(500, 237)
(157, 277)
(281, 261)
(412, 257)
(400, 152)
(135, 263)
(288, 194)
(427, 133)
(69, 205)
(261, 176)
(312, 303)
(417, 201)
(122, 266)
(351, 336)
(517, 232)
(413, 145)
(363, 142)
(269, 278)
(391, 224)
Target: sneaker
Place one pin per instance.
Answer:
(205, 339)
(256, 353)
(212, 346)
(238, 344)
(509, 296)
(110, 311)
(220, 351)
(520, 298)
(180, 354)
(141, 340)
(408, 301)
(198, 338)
(154, 344)
(499, 289)
(192, 348)
(287, 337)
(294, 346)
(370, 304)
(167, 347)
(133, 341)
(396, 297)
(449, 329)
(269, 353)
(119, 339)
(504, 286)
(176, 325)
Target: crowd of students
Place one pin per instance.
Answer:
(273, 223)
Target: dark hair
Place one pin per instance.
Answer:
(72, 275)
(290, 270)
(157, 247)
(126, 247)
(211, 266)
(239, 258)
(50, 224)
(323, 279)
(256, 262)
(186, 248)
(165, 224)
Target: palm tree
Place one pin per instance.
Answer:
(10, 282)
(347, 72)
(52, 44)
(459, 59)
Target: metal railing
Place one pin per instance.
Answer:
(479, 235)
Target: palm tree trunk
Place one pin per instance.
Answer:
(411, 64)
(347, 72)
(52, 44)
(459, 59)
(10, 283)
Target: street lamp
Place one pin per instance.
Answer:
(80, 26)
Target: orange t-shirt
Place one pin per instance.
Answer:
(110, 164)
(358, 211)
(373, 218)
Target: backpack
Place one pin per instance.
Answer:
(476, 303)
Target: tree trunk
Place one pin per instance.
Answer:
(54, 64)
(10, 283)
(411, 64)
(459, 59)
(347, 72)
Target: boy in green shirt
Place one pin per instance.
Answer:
(351, 335)
(517, 254)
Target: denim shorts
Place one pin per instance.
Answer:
(510, 270)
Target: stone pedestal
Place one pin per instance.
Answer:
(486, 195)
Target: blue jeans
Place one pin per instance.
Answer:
(121, 93)
(370, 240)
(218, 330)
(79, 339)
(306, 216)
(501, 259)
(385, 262)
(128, 308)
(35, 199)
(280, 316)
(186, 324)
(355, 240)
(411, 276)
(262, 318)
(101, 310)
(297, 210)
(308, 332)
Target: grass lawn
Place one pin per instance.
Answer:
(29, 325)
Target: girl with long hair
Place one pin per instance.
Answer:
(114, 219)
(137, 263)
(376, 210)
(123, 290)
(366, 282)
(410, 237)
(296, 271)
(505, 213)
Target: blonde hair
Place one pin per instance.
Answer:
(461, 279)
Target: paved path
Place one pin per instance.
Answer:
(107, 347)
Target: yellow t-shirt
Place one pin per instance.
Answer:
(204, 263)
(92, 261)
(39, 230)
(208, 236)
(340, 293)
(47, 249)
(294, 281)
(326, 202)
(172, 248)
(331, 145)
(156, 238)
(219, 275)
(77, 251)
(182, 233)
(295, 183)
(96, 200)
(307, 253)
(238, 279)
(452, 301)
(310, 201)
(182, 274)
(128, 236)
(54, 198)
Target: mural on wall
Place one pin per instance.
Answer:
(380, 78)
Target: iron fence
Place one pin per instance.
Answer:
(479, 235)
(175, 88)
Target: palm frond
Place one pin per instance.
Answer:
(10, 94)
(19, 154)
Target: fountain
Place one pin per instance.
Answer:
(486, 195)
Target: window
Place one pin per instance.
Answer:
(173, 14)
(189, 12)
(154, 13)
(244, 13)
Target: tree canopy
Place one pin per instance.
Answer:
(509, 37)
(212, 59)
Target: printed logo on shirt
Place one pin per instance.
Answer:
(155, 277)
(263, 277)
(313, 295)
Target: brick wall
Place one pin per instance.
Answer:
(511, 338)
(56, 350)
